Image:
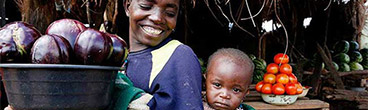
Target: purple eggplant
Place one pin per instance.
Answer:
(51, 49)
(67, 28)
(120, 51)
(92, 47)
(16, 41)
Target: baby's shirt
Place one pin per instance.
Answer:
(242, 106)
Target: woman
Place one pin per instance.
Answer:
(167, 70)
(162, 67)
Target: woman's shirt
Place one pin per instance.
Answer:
(170, 72)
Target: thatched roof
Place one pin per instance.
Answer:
(331, 20)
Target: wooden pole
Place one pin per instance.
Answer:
(328, 62)
(2, 13)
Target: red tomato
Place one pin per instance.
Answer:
(267, 88)
(278, 89)
(282, 78)
(290, 89)
(292, 78)
(269, 78)
(280, 58)
(286, 68)
(299, 88)
(272, 68)
(259, 86)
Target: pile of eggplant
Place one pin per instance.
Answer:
(66, 41)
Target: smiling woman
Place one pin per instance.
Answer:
(164, 68)
(150, 21)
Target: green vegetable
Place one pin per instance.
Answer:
(364, 63)
(364, 53)
(344, 67)
(257, 76)
(252, 57)
(355, 56)
(341, 47)
(259, 64)
(334, 65)
(355, 66)
(354, 46)
(342, 58)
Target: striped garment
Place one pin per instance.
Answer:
(170, 72)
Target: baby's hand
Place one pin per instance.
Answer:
(140, 103)
(8, 108)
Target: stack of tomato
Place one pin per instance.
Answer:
(279, 78)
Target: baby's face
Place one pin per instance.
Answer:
(226, 85)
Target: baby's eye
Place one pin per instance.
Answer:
(145, 6)
(217, 85)
(236, 90)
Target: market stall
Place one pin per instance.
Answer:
(325, 41)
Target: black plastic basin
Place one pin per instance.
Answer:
(58, 86)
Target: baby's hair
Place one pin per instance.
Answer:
(233, 55)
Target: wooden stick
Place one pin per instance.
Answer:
(328, 62)
(260, 49)
(357, 72)
(3, 13)
(89, 19)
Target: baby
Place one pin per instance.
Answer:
(228, 76)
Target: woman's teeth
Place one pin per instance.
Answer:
(151, 30)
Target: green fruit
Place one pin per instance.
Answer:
(342, 58)
(259, 64)
(355, 56)
(258, 75)
(315, 62)
(354, 46)
(334, 65)
(341, 47)
(344, 67)
(252, 57)
(364, 53)
(355, 66)
(364, 64)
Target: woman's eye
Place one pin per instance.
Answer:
(145, 6)
(171, 14)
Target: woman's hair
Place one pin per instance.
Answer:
(234, 56)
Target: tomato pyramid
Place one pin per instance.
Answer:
(279, 78)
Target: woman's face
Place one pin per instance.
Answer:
(151, 21)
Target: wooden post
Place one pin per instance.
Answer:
(261, 46)
(328, 62)
(2, 13)
(316, 80)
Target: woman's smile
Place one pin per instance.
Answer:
(152, 31)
